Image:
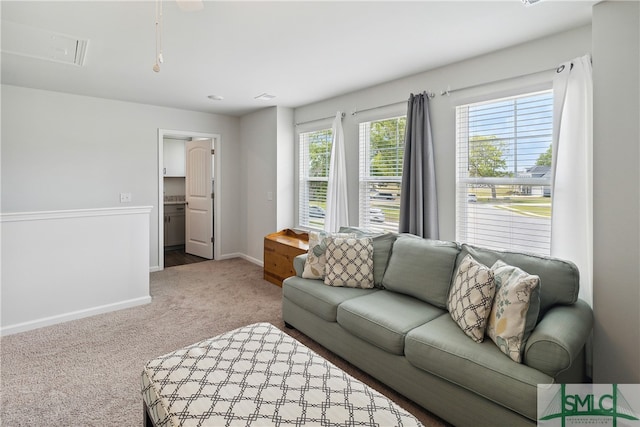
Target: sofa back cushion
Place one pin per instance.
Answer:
(559, 279)
(422, 268)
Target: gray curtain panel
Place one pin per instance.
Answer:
(419, 204)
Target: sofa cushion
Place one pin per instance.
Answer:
(349, 262)
(384, 318)
(442, 349)
(515, 309)
(319, 299)
(382, 244)
(421, 268)
(471, 297)
(559, 279)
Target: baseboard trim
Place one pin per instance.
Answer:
(243, 256)
(74, 315)
(252, 260)
(229, 256)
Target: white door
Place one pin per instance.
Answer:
(199, 208)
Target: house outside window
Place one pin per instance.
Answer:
(315, 155)
(503, 164)
(381, 160)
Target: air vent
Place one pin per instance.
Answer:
(264, 97)
(24, 40)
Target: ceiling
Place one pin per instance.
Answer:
(299, 51)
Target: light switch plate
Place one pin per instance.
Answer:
(125, 197)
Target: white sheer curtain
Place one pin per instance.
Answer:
(572, 217)
(337, 212)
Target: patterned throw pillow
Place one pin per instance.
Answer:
(316, 260)
(314, 265)
(510, 321)
(349, 262)
(471, 297)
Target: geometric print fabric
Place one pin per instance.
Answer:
(471, 297)
(316, 261)
(257, 375)
(349, 262)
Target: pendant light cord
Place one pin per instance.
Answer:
(158, 58)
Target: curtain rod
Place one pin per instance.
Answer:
(431, 95)
(448, 91)
(317, 120)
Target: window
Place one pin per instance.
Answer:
(503, 194)
(381, 157)
(315, 154)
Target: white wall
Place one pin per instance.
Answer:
(268, 172)
(542, 54)
(62, 151)
(616, 300)
(64, 265)
(285, 209)
(258, 133)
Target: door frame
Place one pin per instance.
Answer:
(216, 144)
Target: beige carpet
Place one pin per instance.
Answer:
(87, 372)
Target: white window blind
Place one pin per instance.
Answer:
(381, 157)
(503, 162)
(315, 155)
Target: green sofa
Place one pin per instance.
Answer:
(401, 333)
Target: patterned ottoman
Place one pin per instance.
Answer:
(257, 375)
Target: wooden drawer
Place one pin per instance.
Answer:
(279, 251)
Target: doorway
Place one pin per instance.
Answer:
(176, 255)
(188, 197)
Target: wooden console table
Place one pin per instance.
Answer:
(279, 251)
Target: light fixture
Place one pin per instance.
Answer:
(188, 5)
(264, 97)
(216, 97)
(159, 58)
(529, 2)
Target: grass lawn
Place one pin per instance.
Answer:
(508, 199)
(526, 209)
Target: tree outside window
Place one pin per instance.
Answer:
(503, 197)
(381, 163)
(315, 157)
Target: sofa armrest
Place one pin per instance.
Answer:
(556, 342)
(298, 264)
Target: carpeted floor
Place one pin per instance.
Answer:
(87, 372)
